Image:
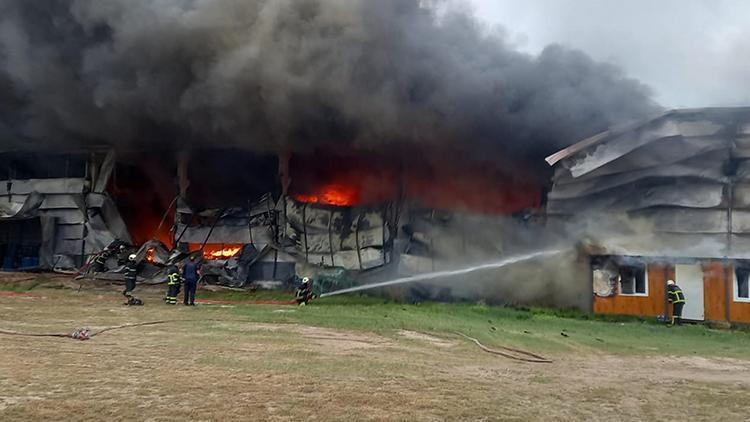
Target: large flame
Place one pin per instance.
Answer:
(332, 194)
(218, 250)
(441, 181)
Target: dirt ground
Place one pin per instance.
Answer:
(211, 364)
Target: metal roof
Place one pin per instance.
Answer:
(621, 129)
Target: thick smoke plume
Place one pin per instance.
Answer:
(562, 279)
(293, 75)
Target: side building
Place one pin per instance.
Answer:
(665, 198)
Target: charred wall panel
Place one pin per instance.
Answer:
(682, 177)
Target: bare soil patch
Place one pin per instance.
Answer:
(430, 339)
(212, 365)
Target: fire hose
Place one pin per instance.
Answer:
(84, 333)
(508, 352)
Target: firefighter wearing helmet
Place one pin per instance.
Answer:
(677, 299)
(131, 274)
(304, 292)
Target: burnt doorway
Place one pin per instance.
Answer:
(20, 241)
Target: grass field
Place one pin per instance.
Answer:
(352, 358)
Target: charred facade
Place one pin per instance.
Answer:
(668, 199)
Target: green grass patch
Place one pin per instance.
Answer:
(537, 329)
(25, 284)
(234, 295)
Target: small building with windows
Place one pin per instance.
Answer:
(665, 198)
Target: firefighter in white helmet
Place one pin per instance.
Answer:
(131, 274)
(677, 299)
(304, 292)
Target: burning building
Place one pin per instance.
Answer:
(681, 182)
(55, 210)
(281, 136)
(255, 217)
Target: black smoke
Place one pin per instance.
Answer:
(293, 75)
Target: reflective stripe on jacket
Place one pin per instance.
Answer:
(173, 279)
(675, 294)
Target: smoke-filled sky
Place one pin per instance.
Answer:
(693, 53)
(295, 75)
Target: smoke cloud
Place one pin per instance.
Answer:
(561, 279)
(293, 75)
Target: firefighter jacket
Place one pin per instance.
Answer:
(674, 294)
(173, 278)
(131, 270)
(304, 291)
(102, 258)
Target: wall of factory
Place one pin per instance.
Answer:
(722, 300)
(715, 284)
(653, 303)
(739, 308)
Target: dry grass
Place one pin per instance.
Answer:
(221, 364)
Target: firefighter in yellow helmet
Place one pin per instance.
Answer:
(677, 299)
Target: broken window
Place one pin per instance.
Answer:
(605, 276)
(633, 279)
(741, 288)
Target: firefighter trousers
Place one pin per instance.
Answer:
(677, 313)
(172, 291)
(129, 287)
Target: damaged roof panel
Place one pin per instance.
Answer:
(657, 154)
(707, 166)
(45, 186)
(686, 220)
(630, 198)
(685, 174)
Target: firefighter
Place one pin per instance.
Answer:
(131, 274)
(677, 299)
(100, 261)
(191, 274)
(304, 292)
(173, 285)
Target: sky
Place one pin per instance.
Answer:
(692, 53)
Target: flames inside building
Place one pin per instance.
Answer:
(663, 198)
(253, 218)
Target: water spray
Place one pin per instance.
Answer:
(442, 274)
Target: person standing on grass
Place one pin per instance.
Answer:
(173, 285)
(131, 275)
(677, 299)
(191, 274)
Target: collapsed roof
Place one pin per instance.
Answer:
(76, 215)
(683, 175)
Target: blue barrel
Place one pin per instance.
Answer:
(29, 262)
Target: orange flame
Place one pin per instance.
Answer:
(150, 255)
(217, 250)
(223, 253)
(332, 194)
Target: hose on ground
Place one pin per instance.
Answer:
(86, 334)
(508, 352)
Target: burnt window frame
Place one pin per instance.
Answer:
(637, 267)
(736, 283)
